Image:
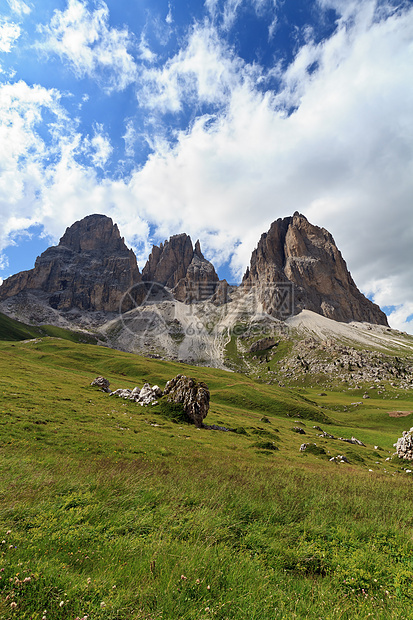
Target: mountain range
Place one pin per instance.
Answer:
(177, 308)
(91, 269)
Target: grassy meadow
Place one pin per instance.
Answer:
(109, 510)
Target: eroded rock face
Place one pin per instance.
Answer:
(168, 262)
(182, 268)
(293, 250)
(192, 395)
(91, 268)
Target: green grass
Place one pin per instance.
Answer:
(114, 511)
(12, 330)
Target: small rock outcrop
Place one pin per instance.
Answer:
(404, 445)
(179, 266)
(146, 396)
(192, 395)
(296, 252)
(90, 269)
(102, 383)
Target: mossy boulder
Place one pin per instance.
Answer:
(191, 394)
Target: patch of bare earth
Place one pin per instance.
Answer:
(399, 414)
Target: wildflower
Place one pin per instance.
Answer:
(113, 587)
(13, 605)
(89, 580)
(208, 587)
(103, 605)
(3, 542)
(8, 532)
(61, 603)
(26, 579)
(198, 581)
(183, 577)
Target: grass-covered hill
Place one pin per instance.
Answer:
(12, 330)
(114, 511)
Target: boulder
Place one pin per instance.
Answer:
(191, 394)
(404, 445)
(102, 383)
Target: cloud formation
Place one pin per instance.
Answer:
(19, 7)
(9, 33)
(92, 48)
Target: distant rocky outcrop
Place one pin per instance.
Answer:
(295, 251)
(179, 266)
(90, 269)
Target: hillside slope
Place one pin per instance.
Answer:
(108, 509)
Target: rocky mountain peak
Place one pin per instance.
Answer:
(168, 263)
(90, 269)
(295, 251)
(93, 232)
(183, 268)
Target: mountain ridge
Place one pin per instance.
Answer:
(91, 269)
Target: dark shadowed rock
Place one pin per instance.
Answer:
(293, 250)
(262, 345)
(182, 268)
(192, 395)
(91, 268)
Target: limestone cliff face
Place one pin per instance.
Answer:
(90, 269)
(183, 268)
(169, 262)
(293, 250)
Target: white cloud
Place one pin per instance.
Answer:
(146, 53)
(22, 162)
(402, 318)
(130, 137)
(169, 18)
(19, 7)
(228, 14)
(3, 262)
(9, 33)
(101, 147)
(203, 71)
(92, 48)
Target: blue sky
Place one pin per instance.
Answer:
(214, 118)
